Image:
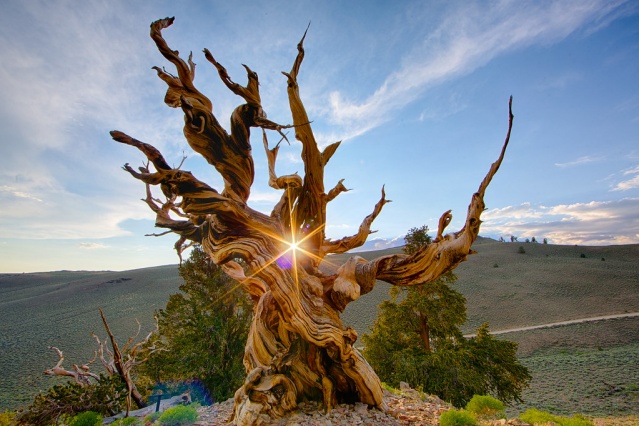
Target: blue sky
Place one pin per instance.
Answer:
(417, 90)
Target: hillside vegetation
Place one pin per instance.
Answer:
(589, 367)
(61, 309)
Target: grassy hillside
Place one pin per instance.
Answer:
(588, 367)
(61, 309)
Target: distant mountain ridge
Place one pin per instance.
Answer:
(380, 244)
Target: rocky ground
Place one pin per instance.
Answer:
(407, 408)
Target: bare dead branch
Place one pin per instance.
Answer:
(357, 240)
(79, 376)
(298, 347)
(338, 189)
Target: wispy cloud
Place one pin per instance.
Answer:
(17, 193)
(92, 246)
(593, 223)
(470, 37)
(628, 183)
(579, 161)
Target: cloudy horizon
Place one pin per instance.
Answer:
(417, 91)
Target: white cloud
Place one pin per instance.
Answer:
(593, 223)
(54, 212)
(628, 183)
(17, 193)
(467, 39)
(579, 161)
(270, 197)
(93, 246)
(632, 171)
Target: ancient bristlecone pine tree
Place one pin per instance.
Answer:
(298, 348)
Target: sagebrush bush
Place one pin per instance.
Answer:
(484, 405)
(177, 416)
(88, 418)
(457, 418)
(537, 417)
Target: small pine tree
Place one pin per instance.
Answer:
(416, 238)
(204, 328)
(416, 339)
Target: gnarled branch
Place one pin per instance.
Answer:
(298, 347)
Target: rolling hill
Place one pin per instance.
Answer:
(592, 363)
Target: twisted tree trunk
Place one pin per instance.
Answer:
(298, 347)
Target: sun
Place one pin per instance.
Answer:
(293, 246)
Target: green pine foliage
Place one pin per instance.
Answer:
(204, 329)
(106, 397)
(416, 339)
(416, 238)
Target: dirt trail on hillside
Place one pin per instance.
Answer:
(560, 323)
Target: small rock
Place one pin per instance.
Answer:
(361, 408)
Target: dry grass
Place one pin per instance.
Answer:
(61, 309)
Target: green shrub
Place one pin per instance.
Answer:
(88, 418)
(484, 405)
(390, 389)
(457, 418)
(537, 417)
(7, 418)
(521, 250)
(177, 416)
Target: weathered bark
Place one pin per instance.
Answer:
(80, 373)
(424, 331)
(298, 348)
(123, 367)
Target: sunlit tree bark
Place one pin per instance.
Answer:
(298, 348)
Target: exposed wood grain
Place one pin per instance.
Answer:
(298, 348)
